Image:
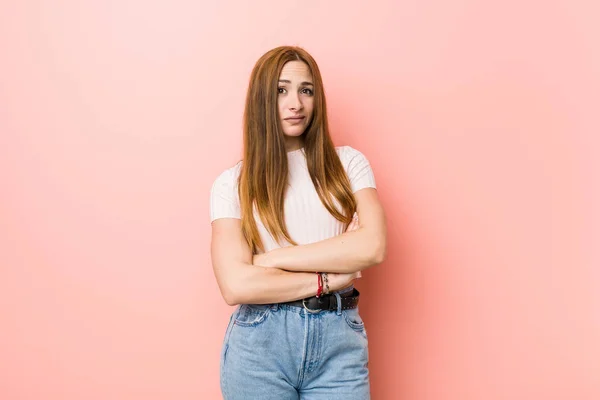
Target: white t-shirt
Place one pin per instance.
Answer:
(306, 218)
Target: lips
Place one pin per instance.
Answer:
(299, 118)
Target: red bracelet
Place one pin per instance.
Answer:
(320, 285)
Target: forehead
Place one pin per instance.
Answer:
(295, 70)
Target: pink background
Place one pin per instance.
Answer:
(481, 123)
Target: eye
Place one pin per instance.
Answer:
(280, 90)
(307, 91)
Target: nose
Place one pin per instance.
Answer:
(294, 102)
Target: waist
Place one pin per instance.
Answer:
(344, 299)
(349, 289)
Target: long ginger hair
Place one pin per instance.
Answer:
(264, 172)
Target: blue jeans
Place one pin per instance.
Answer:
(283, 352)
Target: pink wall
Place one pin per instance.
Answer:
(480, 119)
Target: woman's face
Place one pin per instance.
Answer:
(295, 98)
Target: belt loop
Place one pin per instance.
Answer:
(339, 303)
(275, 307)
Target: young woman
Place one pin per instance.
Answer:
(287, 244)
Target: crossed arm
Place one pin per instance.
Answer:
(352, 251)
(288, 273)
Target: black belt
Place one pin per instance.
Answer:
(327, 302)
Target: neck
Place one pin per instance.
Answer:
(294, 143)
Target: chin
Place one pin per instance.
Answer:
(294, 132)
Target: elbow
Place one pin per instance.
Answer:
(237, 286)
(379, 252)
(230, 299)
(230, 294)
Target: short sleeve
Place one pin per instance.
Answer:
(224, 198)
(358, 169)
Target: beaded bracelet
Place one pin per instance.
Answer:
(325, 279)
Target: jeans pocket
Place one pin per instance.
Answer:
(225, 344)
(251, 315)
(353, 320)
(224, 348)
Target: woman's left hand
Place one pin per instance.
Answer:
(354, 225)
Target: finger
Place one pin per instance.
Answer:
(355, 220)
(351, 226)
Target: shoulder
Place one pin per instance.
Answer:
(357, 168)
(228, 177)
(349, 155)
(224, 199)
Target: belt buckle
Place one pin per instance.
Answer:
(310, 310)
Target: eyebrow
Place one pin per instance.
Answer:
(303, 83)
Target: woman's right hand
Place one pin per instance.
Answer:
(339, 281)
